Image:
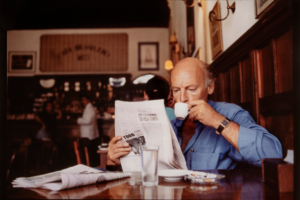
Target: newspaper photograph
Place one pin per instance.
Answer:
(146, 123)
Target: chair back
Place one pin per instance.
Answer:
(45, 156)
(12, 151)
(81, 146)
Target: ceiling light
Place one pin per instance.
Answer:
(47, 83)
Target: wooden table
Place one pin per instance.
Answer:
(239, 184)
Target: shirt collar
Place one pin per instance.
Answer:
(211, 103)
(178, 123)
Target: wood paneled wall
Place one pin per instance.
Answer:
(256, 73)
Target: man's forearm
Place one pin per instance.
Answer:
(85, 120)
(39, 120)
(231, 134)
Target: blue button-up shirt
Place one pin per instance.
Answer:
(208, 150)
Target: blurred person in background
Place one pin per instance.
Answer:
(158, 88)
(88, 121)
(89, 128)
(47, 118)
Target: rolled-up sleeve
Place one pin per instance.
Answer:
(255, 142)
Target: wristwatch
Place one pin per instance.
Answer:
(224, 123)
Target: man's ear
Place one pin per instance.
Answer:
(211, 88)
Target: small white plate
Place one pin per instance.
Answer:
(173, 174)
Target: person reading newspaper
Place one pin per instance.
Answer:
(215, 135)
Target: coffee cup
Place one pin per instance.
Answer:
(181, 110)
(104, 145)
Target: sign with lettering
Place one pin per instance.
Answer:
(84, 52)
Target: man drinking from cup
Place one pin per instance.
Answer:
(215, 135)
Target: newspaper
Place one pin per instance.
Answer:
(80, 192)
(78, 175)
(144, 123)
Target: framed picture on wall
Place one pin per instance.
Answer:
(22, 61)
(261, 6)
(148, 56)
(216, 32)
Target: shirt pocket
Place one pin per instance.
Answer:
(202, 161)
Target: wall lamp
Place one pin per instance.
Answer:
(192, 4)
(212, 14)
(168, 65)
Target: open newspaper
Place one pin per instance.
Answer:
(78, 175)
(146, 123)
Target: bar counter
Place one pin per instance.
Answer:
(67, 128)
(238, 184)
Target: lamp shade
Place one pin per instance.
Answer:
(168, 65)
(47, 83)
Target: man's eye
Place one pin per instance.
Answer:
(175, 90)
(192, 90)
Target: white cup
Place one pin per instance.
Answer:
(104, 145)
(181, 110)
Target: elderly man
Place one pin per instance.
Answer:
(216, 135)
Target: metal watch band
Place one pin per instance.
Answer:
(221, 126)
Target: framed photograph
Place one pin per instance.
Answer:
(216, 33)
(22, 61)
(261, 6)
(148, 56)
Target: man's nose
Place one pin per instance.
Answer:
(183, 97)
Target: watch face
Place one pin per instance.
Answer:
(225, 122)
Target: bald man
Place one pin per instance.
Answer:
(216, 135)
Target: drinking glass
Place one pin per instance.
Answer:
(149, 156)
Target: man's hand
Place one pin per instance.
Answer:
(116, 150)
(202, 111)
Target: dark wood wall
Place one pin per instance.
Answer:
(256, 72)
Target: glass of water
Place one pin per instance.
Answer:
(149, 164)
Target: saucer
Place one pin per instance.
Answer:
(171, 175)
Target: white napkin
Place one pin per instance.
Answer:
(290, 157)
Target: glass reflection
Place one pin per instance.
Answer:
(149, 192)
